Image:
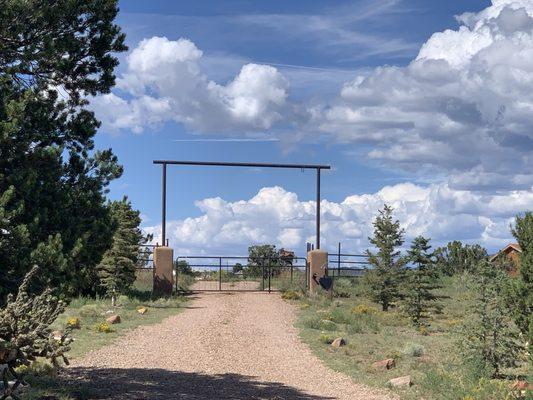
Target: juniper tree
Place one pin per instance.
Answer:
(420, 283)
(118, 266)
(387, 274)
(262, 258)
(489, 338)
(456, 258)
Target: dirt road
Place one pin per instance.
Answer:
(223, 346)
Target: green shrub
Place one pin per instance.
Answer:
(90, 311)
(344, 287)
(413, 350)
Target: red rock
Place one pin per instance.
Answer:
(114, 319)
(384, 364)
(520, 385)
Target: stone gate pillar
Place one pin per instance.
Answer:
(318, 261)
(163, 271)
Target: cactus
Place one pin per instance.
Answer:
(25, 333)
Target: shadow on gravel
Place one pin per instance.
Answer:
(136, 383)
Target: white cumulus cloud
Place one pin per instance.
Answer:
(463, 106)
(460, 112)
(277, 216)
(163, 82)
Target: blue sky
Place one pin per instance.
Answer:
(300, 81)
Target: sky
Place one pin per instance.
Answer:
(422, 105)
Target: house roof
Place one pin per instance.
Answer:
(507, 249)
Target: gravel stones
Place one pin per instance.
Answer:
(241, 335)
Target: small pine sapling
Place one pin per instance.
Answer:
(489, 338)
(388, 271)
(420, 284)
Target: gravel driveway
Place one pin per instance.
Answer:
(223, 346)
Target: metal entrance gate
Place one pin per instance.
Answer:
(240, 274)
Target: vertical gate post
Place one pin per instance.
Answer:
(318, 209)
(176, 274)
(269, 273)
(291, 273)
(318, 262)
(220, 274)
(164, 207)
(339, 261)
(163, 271)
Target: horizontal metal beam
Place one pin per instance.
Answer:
(239, 164)
(234, 257)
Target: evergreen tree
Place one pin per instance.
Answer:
(456, 258)
(118, 266)
(420, 283)
(490, 340)
(384, 279)
(55, 55)
(520, 297)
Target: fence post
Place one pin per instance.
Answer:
(177, 274)
(220, 274)
(339, 261)
(291, 273)
(269, 273)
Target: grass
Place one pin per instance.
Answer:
(92, 313)
(432, 358)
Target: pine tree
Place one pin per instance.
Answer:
(388, 270)
(118, 266)
(54, 56)
(490, 340)
(520, 297)
(421, 281)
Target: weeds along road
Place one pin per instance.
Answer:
(223, 346)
